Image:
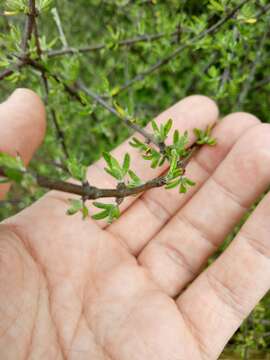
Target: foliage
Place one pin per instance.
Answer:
(127, 58)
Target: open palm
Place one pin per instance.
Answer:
(135, 289)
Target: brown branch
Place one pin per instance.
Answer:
(10, 71)
(89, 192)
(29, 25)
(149, 137)
(59, 131)
(211, 30)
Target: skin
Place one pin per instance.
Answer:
(137, 289)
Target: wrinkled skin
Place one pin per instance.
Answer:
(74, 289)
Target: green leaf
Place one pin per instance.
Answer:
(172, 184)
(176, 136)
(100, 205)
(114, 168)
(107, 157)
(126, 164)
(190, 182)
(114, 214)
(213, 72)
(111, 211)
(85, 211)
(168, 127)
(173, 163)
(204, 137)
(76, 170)
(14, 175)
(75, 206)
(185, 183)
(11, 162)
(136, 181)
(121, 112)
(114, 173)
(12, 167)
(155, 127)
(215, 5)
(101, 215)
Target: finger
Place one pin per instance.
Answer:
(178, 253)
(154, 208)
(22, 126)
(221, 298)
(193, 111)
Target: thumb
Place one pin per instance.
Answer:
(22, 126)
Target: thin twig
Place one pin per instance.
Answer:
(252, 72)
(29, 25)
(261, 83)
(59, 131)
(57, 20)
(149, 137)
(126, 42)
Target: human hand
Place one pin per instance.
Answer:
(74, 289)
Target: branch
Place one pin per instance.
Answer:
(29, 25)
(59, 131)
(89, 192)
(126, 42)
(149, 137)
(211, 30)
(59, 27)
(247, 84)
(261, 83)
(10, 71)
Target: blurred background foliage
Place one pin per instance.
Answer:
(120, 39)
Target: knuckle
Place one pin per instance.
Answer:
(241, 118)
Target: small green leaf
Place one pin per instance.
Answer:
(155, 127)
(190, 182)
(107, 157)
(173, 162)
(126, 164)
(111, 211)
(185, 183)
(175, 137)
(172, 184)
(114, 173)
(76, 170)
(75, 206)
(204, 137)
(121, 112)
(100, 205)
(12, 167)
(136, 181)
(101, 215)
(168, 127)
(85, 211)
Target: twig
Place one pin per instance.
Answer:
(126, 42)
(59, 131)
(247, 84)
(149, 137)
(89, 192)
(29, 25)
(261, 83)
(59, 27)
